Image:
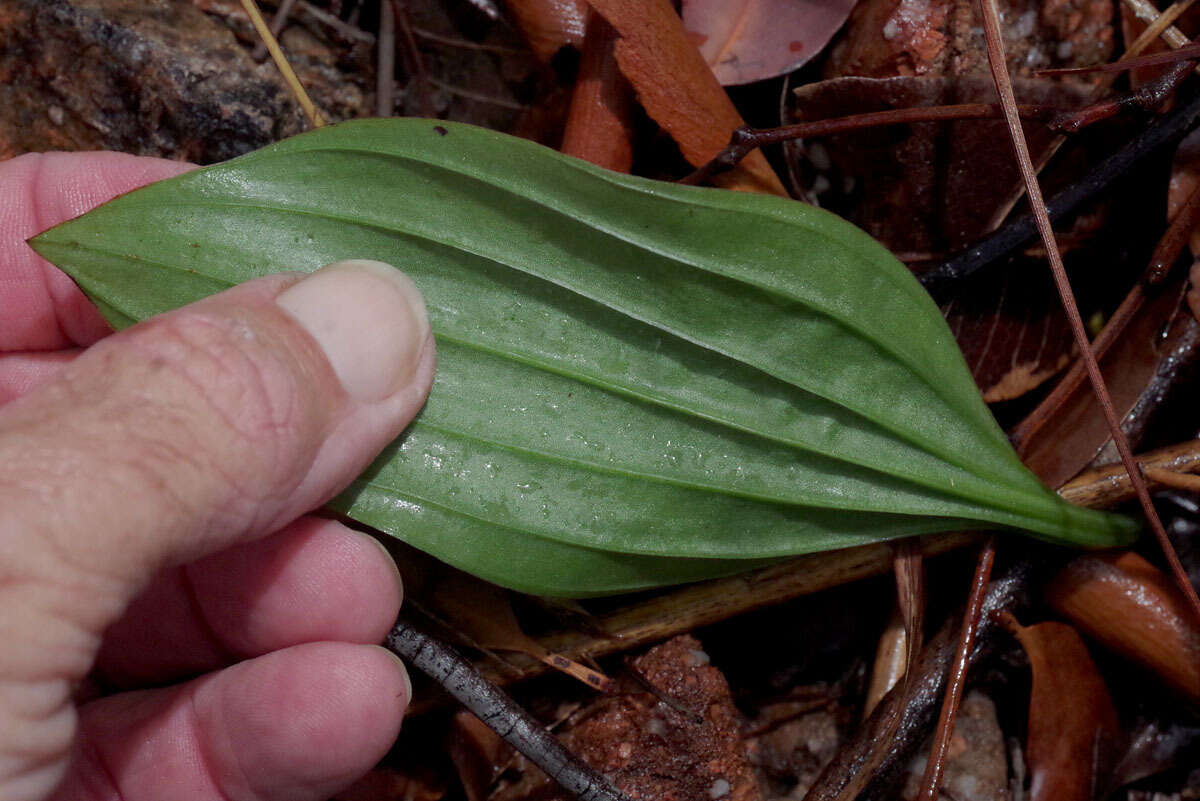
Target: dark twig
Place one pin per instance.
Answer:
(958, 673)
(467, 44)
(746, 139)
(500, 713)
(1145, 98)
(1167, 251)
(996, 59)
(277, 23)
(346, 30)
(1188, 52)
(385, 77)
(414, 62)
(1163, 131)
(870, 762)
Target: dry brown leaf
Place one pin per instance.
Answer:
(1131, 607)
(1193, 295)
(1073, 731)
(478, 754)
(749, 40)
(679, 91)
(483, 612)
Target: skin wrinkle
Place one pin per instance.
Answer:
(200, 611)
(196, 723)
(99, 778)
(35, 204)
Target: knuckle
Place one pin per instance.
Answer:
(222, 396)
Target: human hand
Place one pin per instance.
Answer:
(152, 489)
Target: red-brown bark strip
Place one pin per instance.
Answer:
(600, 122)
(679, 90)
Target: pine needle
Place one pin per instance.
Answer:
(996, 58)
(289, 75)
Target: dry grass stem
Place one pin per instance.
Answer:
(289, 75)
(958, 671)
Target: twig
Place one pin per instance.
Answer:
(1167, 251)
(500, 713)
(1188, 52)
(1146, 98)
(1109, 485)
(989, 250)
(746, 139)
(996, 58)
(414, 62)
(467, 44)
(476, 96)
(334, 23)
(914, 701)
(958, 674)
(277, 23)
(1182, 481)
(1148, 13)
(1160, 26)
(260, 24)
(385, 72)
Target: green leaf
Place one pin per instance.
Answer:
(639, 383)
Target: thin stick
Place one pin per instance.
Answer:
(958, 673)
(1160, 25)
(476, 96)
(385, 72)
(1182, 481)
(500, 713)
(996, 59)
(467, 44)
(314, 117)
(1109, 485)
(1147, 13)
(746, 139)
(277, 23)
(414, 62)
(989, 250)
(1169, 33)
(1185, 53)
(335, 24)
(1167, 251)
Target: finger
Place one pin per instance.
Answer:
(21, 372)
(297, 724)
(315, 580)
(177, 438)
(40, 307)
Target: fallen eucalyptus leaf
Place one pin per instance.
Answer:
(639, 383)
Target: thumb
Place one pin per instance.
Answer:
(210, 425)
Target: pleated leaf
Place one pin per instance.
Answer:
(638, 383)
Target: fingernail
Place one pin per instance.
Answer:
(407, 680)
(369, 319)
